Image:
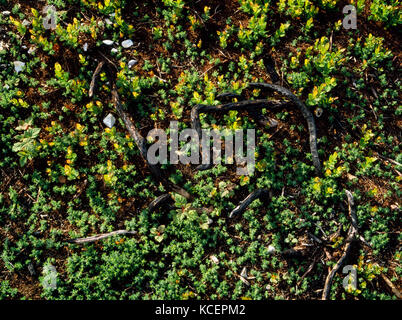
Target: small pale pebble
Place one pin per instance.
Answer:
(108, 21)
(85, 47)
(271, 249)
(6, 13)
(25, 22)
(108, 42)
(109, 121)
(114, 50)
(214, 259)
(132, 63)
(19, 66)
(127, 44)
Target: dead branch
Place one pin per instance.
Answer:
(246, 202)
(138, 138)
(270, 67)
(229, 95)
(391, 286)
(390, 160)
(351, 234)
(309, 269)
(158, 202)
(101, 236)
(94, 78)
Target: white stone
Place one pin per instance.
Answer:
(85, 47)
(31, 50)
(109, 121)
(271, 249)
(127, 44)
(108, 21)
(19, 66)
(6, 13)
(108, 42)
(3, 45)
(114, 50)
(132, 63)
(214, 259)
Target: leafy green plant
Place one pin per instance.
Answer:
(387, 11)
(27, 145)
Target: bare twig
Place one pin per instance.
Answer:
(102, 236)
(94, 78)
(246, 202)
(310, 268)
(136, 136)
(390, 160)
(391, 286)
(158, 202)
(351, 234)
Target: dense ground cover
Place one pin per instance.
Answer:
(65, 175)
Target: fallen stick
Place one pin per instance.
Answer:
(270, 67)
(246, 202)
(229, 95)
(354, 221)
(139, 139)
(158, 202)
(394, 290)
(306, 114)
(94, 78)
(351, 234)
(390, 160)
(135, 135)
(310, 268)
(101, 236)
